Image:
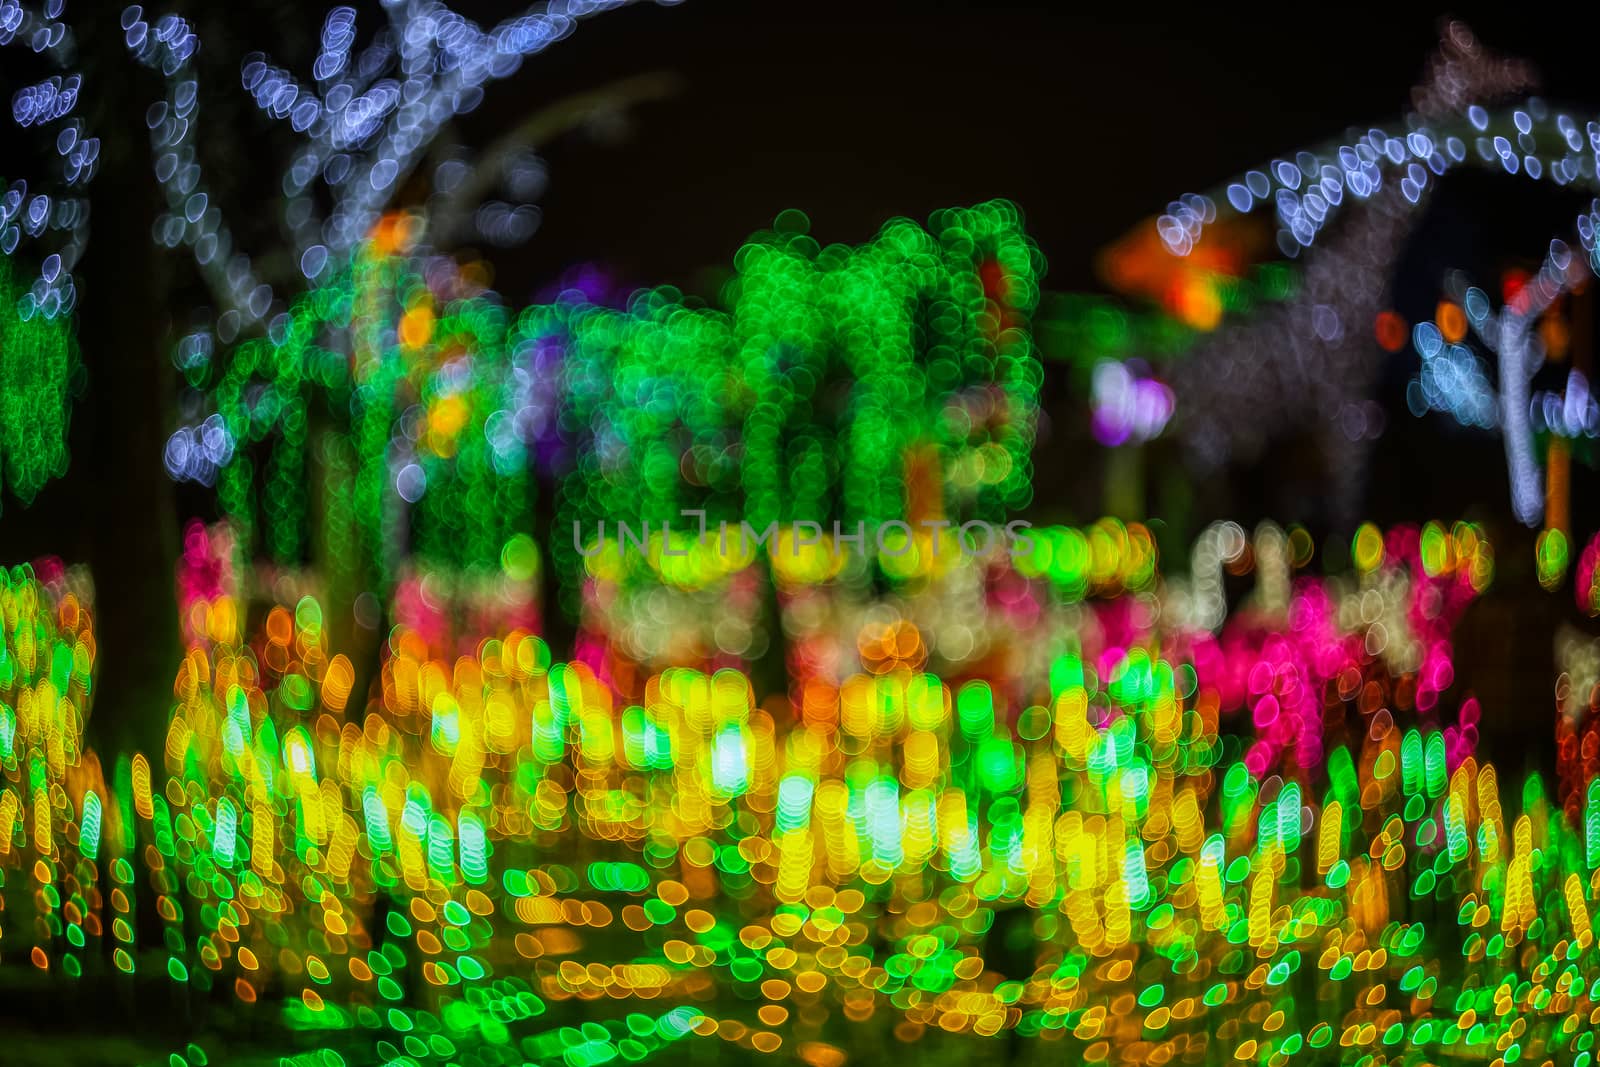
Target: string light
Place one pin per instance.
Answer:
(1161, 831)
(1310, 364)
(362, 129)
(448, 399)
(61, 213)
(836, 859)
(37, 360)
(1453, 380)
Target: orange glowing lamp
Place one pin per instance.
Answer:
(1140, 264)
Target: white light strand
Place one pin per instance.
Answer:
(193, 218)
(1520, 354)
(364, 128)
(1465, 393)
(369, 116)
(1449, 128)
(1311, 363)
(1509, 334)
(49, 104)
(366, 124)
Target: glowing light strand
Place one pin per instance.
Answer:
(370, 114)
(1310, 364)
(49, 104)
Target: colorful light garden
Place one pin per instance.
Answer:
(729, 673)
(1166, 844)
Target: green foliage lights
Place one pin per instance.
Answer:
(812, 395)
(409, 359)
(831, 368)
(37, 362)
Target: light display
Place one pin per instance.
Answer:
(1099, 864)
(371, 115)
(422, 397)
(56, 219)
(52, 801)
(37, 361)
(1311, 364)
(36, 355)
(831, 370)
(364, 124)
(1010, 783)
(1452, 380)
(833, 367)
